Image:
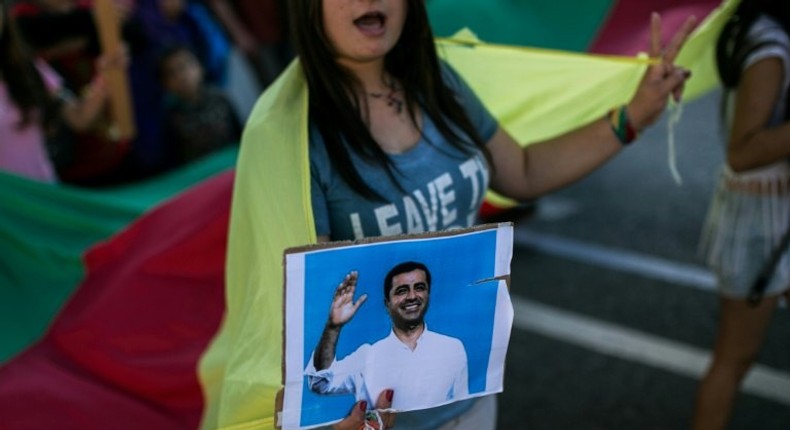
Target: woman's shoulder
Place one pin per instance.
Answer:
(767, 39)
(767, 30)
(450, 76)
(455, 82)
(316, 148)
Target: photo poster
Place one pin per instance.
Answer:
(468, 301)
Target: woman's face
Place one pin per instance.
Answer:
(363, 30)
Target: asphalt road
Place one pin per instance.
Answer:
(615, 311)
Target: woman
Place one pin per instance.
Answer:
(399, 144)
(63, 33)
(32, 104)
(750, 211)
(375, 81)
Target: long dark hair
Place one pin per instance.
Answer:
(732, 47)
(22, 79)
(337, 113)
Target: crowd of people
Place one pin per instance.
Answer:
(177, 57)
(387, 120)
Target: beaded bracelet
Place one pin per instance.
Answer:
(621, 126)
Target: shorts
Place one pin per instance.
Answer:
(736, 281)
(743, 228)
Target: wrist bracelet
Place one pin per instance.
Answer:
(621, 125)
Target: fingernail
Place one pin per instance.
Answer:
(363, 406)
(389, 395)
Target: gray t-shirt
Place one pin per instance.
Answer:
(444, 187)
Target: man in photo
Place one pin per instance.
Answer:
(423, 367)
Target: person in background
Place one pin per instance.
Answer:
(258, 29)
(750, 210)
(148, 27)
(34, 105)
(199, 119)
(190, 23)
(399, 143)
(63, 33)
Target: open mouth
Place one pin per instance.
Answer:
(371, 23)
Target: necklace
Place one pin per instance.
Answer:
(392, 99)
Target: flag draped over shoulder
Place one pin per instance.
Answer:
(271, 212)
(527, 90)
(125, 309)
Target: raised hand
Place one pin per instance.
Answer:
(662, 78)
(343, 306)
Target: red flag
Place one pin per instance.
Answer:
(123, 352)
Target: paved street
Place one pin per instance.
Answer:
(615, 313)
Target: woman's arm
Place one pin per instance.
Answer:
(527, 172)
(751, 143)
(80, 113)
(232, 23)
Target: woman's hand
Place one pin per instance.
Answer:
(123, 9)
(663, 78)
(356, 419)
(117, 59)
(81, 113)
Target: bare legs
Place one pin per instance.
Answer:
(740, 335)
